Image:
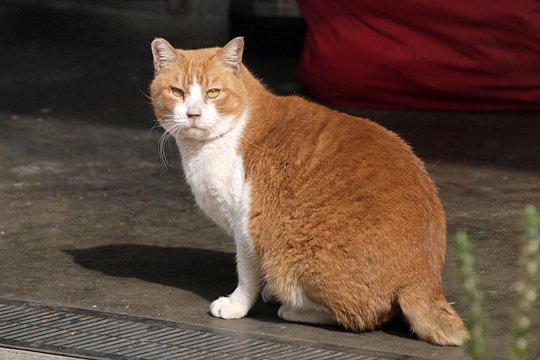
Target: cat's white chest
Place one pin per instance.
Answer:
(215, 172)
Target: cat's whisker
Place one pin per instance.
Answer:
(145, 94)
(161, 148)
(177, 129)
(167, 120)
(156, 124)
(174, 129)
(171, 132)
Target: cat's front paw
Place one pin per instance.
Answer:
(227, 308)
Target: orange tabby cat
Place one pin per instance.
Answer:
(333, 213)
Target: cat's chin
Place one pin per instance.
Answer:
(194, 133)
(197, 134)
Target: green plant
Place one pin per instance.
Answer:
(527, 289)
(476, 345)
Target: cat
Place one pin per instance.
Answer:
(334, 214)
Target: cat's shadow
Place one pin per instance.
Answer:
(208, 273)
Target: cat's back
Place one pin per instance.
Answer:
(340, 174)
(297, 137)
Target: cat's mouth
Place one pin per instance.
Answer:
(200, 129)
(196, 132)
(194, 127)
(197, 126)
(178, 127)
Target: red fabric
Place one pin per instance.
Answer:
(423, 54)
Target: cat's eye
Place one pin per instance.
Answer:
(212, 93)
(177, 92)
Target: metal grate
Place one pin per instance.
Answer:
(98, 335)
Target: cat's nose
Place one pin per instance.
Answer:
(194, 112)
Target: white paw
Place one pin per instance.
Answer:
(267, 296)
(284, 312)
(309, 316)
(227, 308)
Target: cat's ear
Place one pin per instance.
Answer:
(231, 54)
(164, 54)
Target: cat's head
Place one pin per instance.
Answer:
(198, 94)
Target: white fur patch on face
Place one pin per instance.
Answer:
(198, 119)
(194, 100)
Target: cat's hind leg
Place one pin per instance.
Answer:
(267, 296)
(306, 315)
(304, 310)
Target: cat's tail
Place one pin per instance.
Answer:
(430, 315)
